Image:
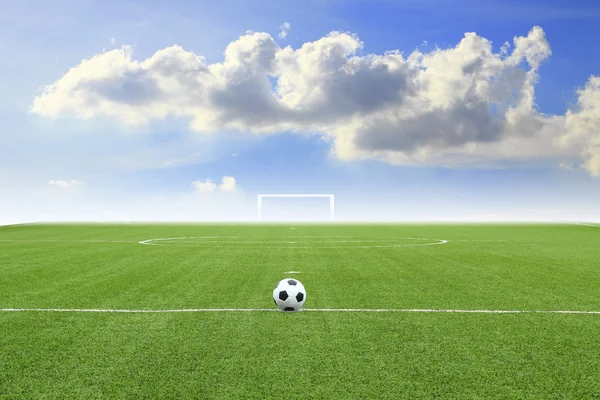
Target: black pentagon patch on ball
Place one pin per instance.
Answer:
(289, 309)
(283, 295)
(300, 297)
(292, 282)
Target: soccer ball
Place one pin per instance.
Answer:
(289, 295)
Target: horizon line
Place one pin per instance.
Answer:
(337, 222)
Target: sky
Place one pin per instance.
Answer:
(405, 110)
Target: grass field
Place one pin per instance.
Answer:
(310, 354)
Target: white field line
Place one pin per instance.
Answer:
(479, 240)
(273, 242)
(407, 245)
(358, 310)
(230, 243)
(19, 224)
(581, 223)
(221, 243)
(233, 242)
(64, 241)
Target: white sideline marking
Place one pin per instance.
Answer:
(433, 310)
(360, 310)
(292, 272)
(64, 241)
(101, 310)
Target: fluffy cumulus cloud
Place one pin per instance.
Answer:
(583, 126)
(228, 184)
(61, 183)
(449, 106)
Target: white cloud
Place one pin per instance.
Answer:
(112, 40)
(228, 184)
(64, 183)
(583, 124)
(463, 104)
(204, 186)
(283, 30)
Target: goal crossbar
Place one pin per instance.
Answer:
(260, 197)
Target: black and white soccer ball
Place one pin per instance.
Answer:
(289, 295)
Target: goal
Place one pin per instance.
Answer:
(260, 197)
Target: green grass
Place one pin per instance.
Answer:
(300, 355)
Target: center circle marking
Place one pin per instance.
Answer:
(293, 242)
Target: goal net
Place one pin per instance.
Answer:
(295, 207)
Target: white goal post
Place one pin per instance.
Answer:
(260, 197)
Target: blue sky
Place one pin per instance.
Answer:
(120, 140)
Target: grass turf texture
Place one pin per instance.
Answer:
(300, 355)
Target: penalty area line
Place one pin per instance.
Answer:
(358, 310)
